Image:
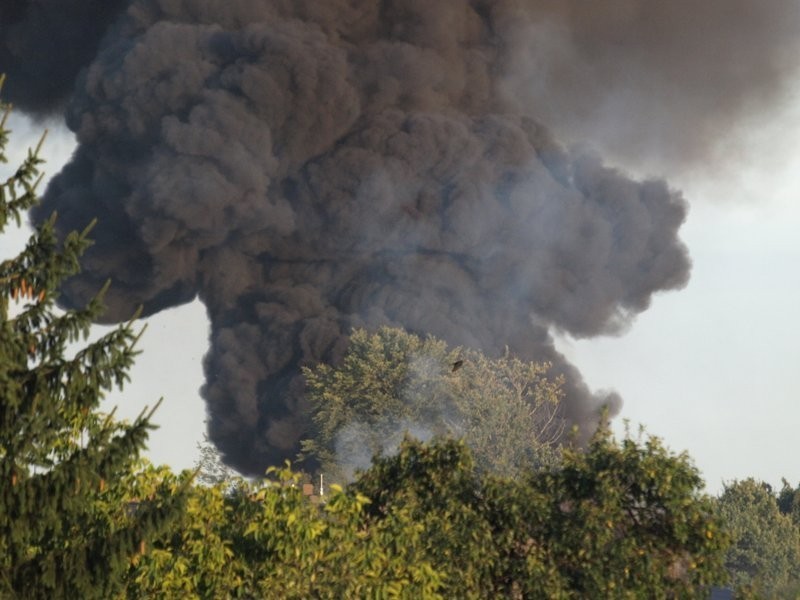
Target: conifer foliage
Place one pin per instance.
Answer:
(58, 454)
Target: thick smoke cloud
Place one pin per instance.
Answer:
(45, 43)
(662, 84)
(306, 167)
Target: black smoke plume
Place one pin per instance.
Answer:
(307, 166)
(45, 43)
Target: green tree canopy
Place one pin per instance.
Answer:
(267, 540)
(58, 455)
(789, 501)
(764, 556)
(618, 520)
(392, 382)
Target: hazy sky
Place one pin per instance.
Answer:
(712, 369)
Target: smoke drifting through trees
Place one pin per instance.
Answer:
(307, 166)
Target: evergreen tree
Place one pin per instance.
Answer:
(58, 455)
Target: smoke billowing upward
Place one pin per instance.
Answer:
(305, 167)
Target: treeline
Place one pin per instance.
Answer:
(510, 511)
(619, 519)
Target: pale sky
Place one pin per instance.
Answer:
(712, 369)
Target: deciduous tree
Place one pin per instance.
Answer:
(268, 540)
(764, 557)
(392, 382)
(618, 520)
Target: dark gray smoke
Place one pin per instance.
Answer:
(45, 43)
(310, 166)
